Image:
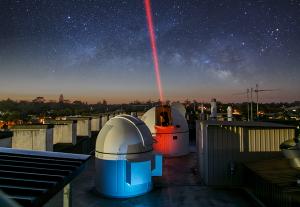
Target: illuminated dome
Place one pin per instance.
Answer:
(169, 129)
(178, 120)
(121, 136)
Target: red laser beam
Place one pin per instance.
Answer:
(153, 47)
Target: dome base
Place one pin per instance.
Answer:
(123, 179)
(171, 143)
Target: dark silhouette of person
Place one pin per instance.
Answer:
(164, 119)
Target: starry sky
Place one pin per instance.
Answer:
(99, 49)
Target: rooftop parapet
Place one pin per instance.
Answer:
(83, 125)
(79, 118)
(33, 137)
(247, 124)
(32, 126)
(54, 121)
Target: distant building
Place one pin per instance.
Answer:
(61, 98)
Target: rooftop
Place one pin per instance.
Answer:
(274, 182)
(179, 186)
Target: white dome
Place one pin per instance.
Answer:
(123, 135)
(179, 107)
(178, 120)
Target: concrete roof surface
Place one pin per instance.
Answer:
(179, 186)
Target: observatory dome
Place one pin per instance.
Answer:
(123, 136)
(125, 162)
(178, 120)
(169, 129)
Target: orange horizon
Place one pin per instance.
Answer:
(126, 100)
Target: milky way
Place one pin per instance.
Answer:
(92, 50)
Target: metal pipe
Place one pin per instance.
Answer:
(248, 108)
(257, 101)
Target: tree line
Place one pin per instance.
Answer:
(11, 110)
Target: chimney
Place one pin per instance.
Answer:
(213, 109)
(229, 113)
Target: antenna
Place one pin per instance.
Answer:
(248, 101)
(257, 91)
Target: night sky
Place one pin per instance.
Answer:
(94, 50)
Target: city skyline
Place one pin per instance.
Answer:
(97, 50)
(56, 99)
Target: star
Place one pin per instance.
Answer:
(103, 41)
